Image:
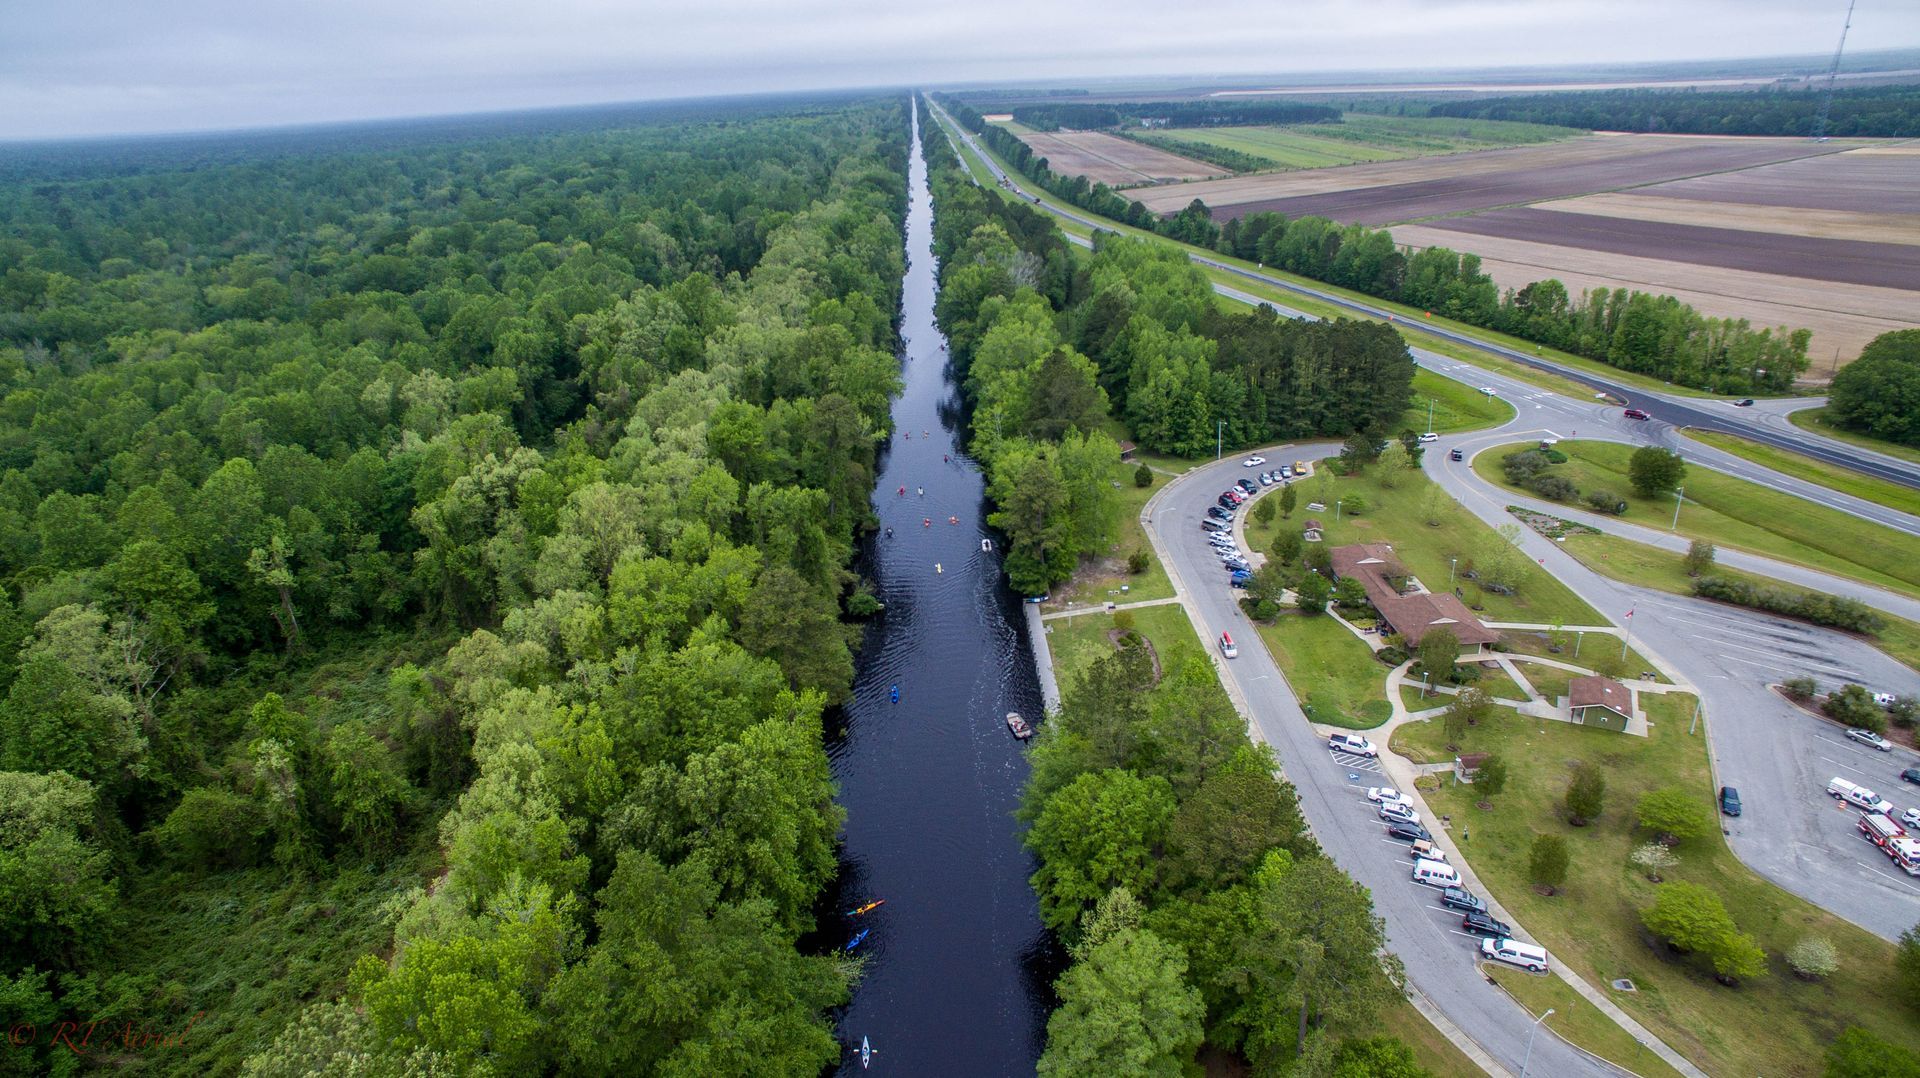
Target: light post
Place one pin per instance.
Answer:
(1677, 499)
(1429, 415)
(1536, 1028)
(1336, 510)
(1219, 432)
(1452, 564)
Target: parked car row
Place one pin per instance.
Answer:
(1431, 869)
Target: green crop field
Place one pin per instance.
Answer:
(1364, 138)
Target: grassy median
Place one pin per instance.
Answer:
(1775, 1024)
(1739, 514)
(1801, 466)
(1817, 420)
(1079, 641)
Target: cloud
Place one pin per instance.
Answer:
(86, 67)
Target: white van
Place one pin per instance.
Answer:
(1858, 795)
(1435, 874)
(1513, 951)
(1226, 646)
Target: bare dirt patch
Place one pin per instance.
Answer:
(1114, 161)
(1843, 317)
(1818, 224)
(1470, 181)
(1886, 265)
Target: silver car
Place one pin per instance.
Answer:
(1870, 739)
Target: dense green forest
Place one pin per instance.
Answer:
(1867, 112)
(1172, 859)
(1635, 331)
(424, 571)
(1879, 393)
(1172, 114)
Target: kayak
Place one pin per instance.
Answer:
(859, 939)
(866, 1054)
(868, 908)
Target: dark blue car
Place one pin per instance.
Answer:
(1729, 800)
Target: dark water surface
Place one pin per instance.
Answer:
(957, 962)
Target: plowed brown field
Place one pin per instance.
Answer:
(1114, 161)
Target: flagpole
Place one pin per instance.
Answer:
(1628, 638)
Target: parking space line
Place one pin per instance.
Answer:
(1846, 767)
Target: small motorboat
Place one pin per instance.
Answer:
(866, 1054)
(937, 569)
(986, 544)
(894, 691)
(1018, 725)
(859, 939)
(868, 908)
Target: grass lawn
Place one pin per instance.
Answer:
(1549, 681)
(1844, 480)
(1736, 513)
(1456, 406)
(1815, 420)
(1576, 1019)
(1431, 1048)
(1638, 563)
(1775, 1024)
(1079, 641)
(1398, 516)
(1592, 654)
(1336, 677)
(1100, 580)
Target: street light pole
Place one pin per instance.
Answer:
(1219, 432)
(1452, 563)
(1536, 1028)
(1678, 493)
(1429, 415)
(1336, 510)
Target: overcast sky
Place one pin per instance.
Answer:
(91, 67)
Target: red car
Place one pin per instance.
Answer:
(1635, 413)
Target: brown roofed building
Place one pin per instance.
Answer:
(1414, 615)
(1600, 701)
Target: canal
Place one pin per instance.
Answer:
(958, 964)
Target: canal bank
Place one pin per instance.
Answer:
(958, 964)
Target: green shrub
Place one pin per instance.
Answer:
(1853, 705)
(1143, 476)
(1834, 611)
(1137, 562)
(1553, 487)
(1606, 501)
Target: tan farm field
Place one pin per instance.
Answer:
(1751, 217)
(1843, 317)
(1114, 161)
(1384, 192)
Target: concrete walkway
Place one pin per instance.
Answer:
(1042, 658)
(1105, 608)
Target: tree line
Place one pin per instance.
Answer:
(1052, 117)
(1878, 394)
(468, 523)
(1654, 335)
(1866, 112)
(1172, 861)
